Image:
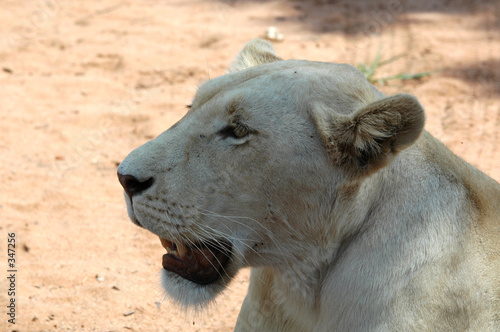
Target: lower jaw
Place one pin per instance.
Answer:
(213, 277)
(189, 294)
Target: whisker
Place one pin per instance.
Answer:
(213, 234)
(204, 232)
(232, 218)
(240, 240)
(241, 257)
(268, 232)
(215, 256)
(277, 246)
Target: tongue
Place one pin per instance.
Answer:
(202, 264)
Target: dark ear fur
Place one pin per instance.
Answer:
(371, 137)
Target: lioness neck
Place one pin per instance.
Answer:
(418, 235)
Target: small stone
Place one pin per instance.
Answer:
(274, 34)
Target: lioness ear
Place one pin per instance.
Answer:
(255, 52)
(372, 136)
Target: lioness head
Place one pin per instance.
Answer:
(253, 174)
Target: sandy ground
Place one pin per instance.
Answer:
(82, 83)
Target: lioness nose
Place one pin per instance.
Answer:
(132, 185)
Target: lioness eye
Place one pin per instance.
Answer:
(237, 130)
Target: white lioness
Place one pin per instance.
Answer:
(351, 217)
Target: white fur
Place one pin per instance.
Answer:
(351, 217)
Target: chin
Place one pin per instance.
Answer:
(192, 295)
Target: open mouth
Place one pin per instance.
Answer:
(202, 263)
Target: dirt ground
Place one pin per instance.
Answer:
(82, 83)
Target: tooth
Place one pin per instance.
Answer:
(182, 250)
(166, 244)
(178, 249)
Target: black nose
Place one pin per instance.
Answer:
(132, 185)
